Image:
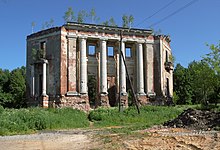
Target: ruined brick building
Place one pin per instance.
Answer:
(79, 65)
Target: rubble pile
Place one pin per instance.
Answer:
(196, 120)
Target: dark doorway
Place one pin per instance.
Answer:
(92, 86)
(40, 84)
(168, 88)
(112, 91)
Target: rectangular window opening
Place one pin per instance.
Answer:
(110, 51)
(128, 52)
(91, 50)
(167, 58)
(43, 45)
(42, 51)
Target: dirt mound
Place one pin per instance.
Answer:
(196, 119)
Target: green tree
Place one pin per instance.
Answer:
(5, 96)
(213, 59)
(12, 88)
(131, 20)
(112, 22)
(81, 16)
(48, 24)
(69, 15)
(105, 23)
(17, 87)
(127, 21)
(93, 16)
(182, 85)
(33, 24)
(202, 81)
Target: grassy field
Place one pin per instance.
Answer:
(30, 120)
(22, 121)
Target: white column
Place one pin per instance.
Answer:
(83, 66)
(44, 85)
(123, 71)
(140, 69)
(32, 81)
(103, 69)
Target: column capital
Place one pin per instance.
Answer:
(149, 42)
(83, 37)
(71, 36)
(103, 39)
(139, 42)
(45, 61)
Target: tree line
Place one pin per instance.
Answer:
(13, 88)
(199, 83)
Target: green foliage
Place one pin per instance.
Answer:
(20, 121)
(150, 115)
(69, 15)
(110, 22)
(38, 54)
(213, 59)
(93, 16)
(156, 32)
(12, 88)
(48, 24)
(105, 23)
(182, 85)
(202, 81)
(81, 16)
(127, 21)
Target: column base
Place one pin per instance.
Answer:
(142, 99)
(72, 93)
(124, 101)
(104, 101)
(45, 100)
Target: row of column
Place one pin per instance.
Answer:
(103, 67)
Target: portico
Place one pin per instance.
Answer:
(70, 65)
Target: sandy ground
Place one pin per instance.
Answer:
(150, 139)
(175, 139)
(59, 140)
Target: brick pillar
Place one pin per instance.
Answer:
(149, 55)
(72, 67)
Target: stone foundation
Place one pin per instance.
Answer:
(45, 101)
(80, 102)
(104, 101)
(124, 101)
(142, 100)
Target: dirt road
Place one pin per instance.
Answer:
(59, 140)
(150, 139)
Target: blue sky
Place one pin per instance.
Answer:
(190, 29)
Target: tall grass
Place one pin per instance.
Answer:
(149, 116)
(21, 121)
